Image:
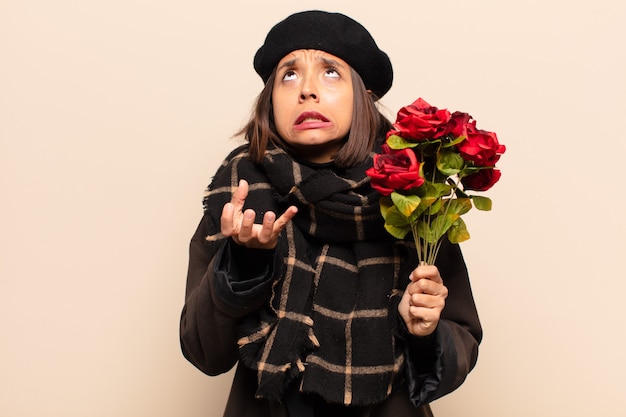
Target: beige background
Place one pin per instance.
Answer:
(114, 115)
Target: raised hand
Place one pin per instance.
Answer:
(240, 226)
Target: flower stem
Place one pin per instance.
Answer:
(418, 243)
(437, 246)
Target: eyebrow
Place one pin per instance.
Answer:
(287, 64)
(328, 61)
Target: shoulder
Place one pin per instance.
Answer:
(236, 166)
(235, 157)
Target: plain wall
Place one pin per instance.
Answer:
(115, 114)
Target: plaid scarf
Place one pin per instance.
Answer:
(338, 276)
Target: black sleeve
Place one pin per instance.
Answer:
(222, 285)
(243, 277)
(438, 364)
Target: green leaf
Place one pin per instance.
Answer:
(435, 207)
(423, 231)
(397, 232)
(433, 190)
(432, 231)
(459, 206)
(454, 141)
(469, 170)
(398, 142)
(482, 203)
(449, 162)
(406, 204)
(425, 203)
(441, 225)
(395, 218)
(385, 205)
(458, 232)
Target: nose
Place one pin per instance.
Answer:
(309, 90)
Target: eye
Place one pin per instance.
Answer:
(331, 72)
(289, 75)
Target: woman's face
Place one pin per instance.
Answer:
(313, 99)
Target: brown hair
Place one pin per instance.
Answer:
(368, 125)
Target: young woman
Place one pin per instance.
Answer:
(292, 276)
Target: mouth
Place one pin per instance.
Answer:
(311, 117)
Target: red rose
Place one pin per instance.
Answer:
(457, 125)
(481, 147)
(482, 180)
(395, 170)
(419, 121)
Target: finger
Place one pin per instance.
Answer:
(426, 286)
(423, 326)
(427, 301)
(239, 196)
(284, 219)
(265, 234)
(227, 219)
(429, 272)
(247, 223)
(424, 314)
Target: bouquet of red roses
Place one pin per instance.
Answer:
(429, 162)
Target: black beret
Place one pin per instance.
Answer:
(334, 33)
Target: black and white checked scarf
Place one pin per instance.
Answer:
(332, 315)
